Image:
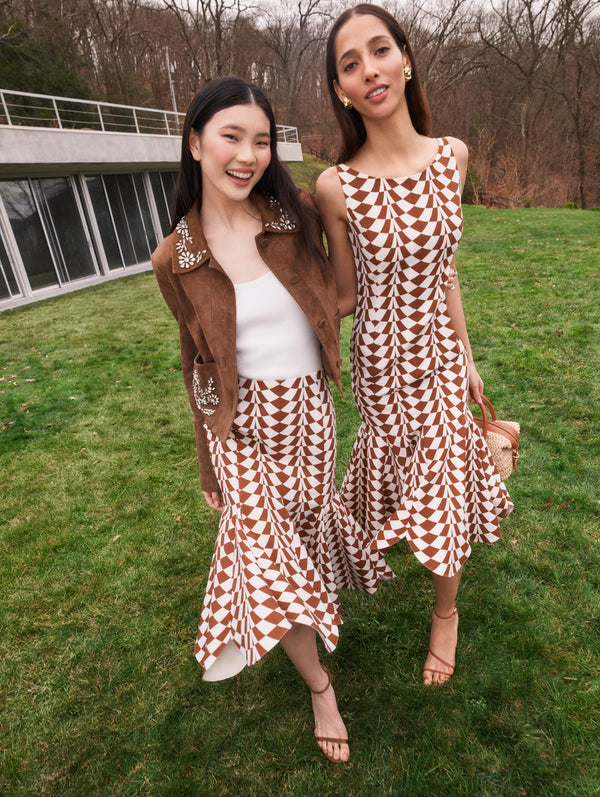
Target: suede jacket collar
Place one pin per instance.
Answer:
(191, 248)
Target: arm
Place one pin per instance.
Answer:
(332, 206)
(453, 296)
(208, 479)
(457, 319)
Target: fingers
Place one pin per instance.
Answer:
(214, 499)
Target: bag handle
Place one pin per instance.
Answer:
(485, 402)
(507, 431)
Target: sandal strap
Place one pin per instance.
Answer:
(439, 617)
(446, 663)
(331, 739)
(438, 672)
(327, 685)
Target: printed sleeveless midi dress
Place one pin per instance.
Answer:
(420, 469)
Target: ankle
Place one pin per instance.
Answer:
(324, 685)
(445, 612)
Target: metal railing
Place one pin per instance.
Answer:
(287, 135)
(22, 109)
(323, 156)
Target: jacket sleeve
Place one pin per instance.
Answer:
(162, 270)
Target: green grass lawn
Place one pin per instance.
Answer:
(106, 544)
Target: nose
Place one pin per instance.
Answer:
(371, 72)
(246, 153)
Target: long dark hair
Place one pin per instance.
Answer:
(351, 124)
(218, 94)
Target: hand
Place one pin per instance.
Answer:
(475, 385)
(452, 274)
(214, 500)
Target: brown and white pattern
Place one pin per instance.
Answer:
(420, 469)
(286, 542)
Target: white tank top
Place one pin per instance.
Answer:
(274, 338)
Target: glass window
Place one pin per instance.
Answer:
(163, 188)
(119, 217)
(144, 206)
(131, 216)
(68, 236)
(105, 222)
(29, 234)
(8, 283)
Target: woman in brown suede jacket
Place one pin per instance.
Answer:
(245, 275)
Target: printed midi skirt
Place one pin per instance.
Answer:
(286, 543)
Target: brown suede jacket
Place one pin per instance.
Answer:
(201, 297)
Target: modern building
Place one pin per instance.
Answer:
(85, 191)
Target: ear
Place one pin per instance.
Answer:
(338, 91)
(194, 144)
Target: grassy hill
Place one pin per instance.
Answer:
(106, 543)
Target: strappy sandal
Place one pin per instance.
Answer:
(451, 667)
(327, 738)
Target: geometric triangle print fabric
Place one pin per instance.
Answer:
(286, 543)
(420, 469)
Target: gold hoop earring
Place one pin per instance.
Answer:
(407, 73)
(347, 103)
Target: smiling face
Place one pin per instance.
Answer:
(233, 151)
(370, 66)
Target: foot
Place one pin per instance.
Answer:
(330, 731)
(439, 664)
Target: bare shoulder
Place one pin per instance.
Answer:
(328, 192)
(461, 153)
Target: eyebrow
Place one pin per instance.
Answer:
(371, 42)
(240, 129)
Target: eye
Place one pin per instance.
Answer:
(382, 50)
(230, 136)
(263, 143)
(349, 66)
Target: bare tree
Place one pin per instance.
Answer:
(443, 37)
(523, 34)
(208, 30)
(295, 37)
(574, 83)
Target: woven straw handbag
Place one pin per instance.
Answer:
(502, 438)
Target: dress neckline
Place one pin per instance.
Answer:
(253, 281)
(414, 176)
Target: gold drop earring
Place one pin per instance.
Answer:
(347, 103)
(407, 73)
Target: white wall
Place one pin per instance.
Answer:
(39, 152)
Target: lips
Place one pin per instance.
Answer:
(376, 92)
(237, 175)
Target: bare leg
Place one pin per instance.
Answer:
(439, 664)
(300, 644)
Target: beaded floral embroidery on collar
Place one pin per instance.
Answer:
(185, 253)
(285, 221)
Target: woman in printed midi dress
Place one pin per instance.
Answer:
(258, 332)
(420, 470)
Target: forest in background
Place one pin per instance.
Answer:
(518, 80)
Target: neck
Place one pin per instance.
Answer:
(390, 138)
(218, 213)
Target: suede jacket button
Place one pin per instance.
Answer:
(295, 278)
